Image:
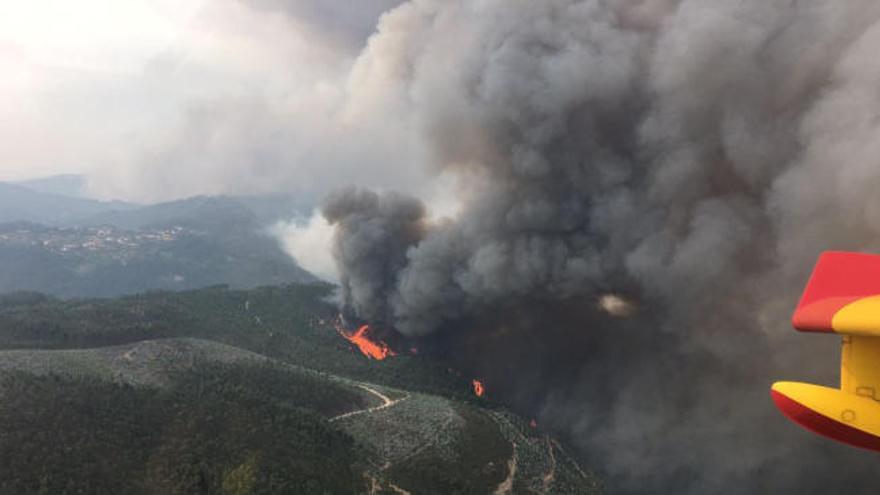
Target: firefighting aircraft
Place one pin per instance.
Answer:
(842, 297)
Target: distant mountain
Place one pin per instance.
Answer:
(70, 185)
(73, 247)
(107, 261)
(203, 211)
(60, 201)
(270, 208)
(19, 203)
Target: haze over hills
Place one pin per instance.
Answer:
(72, 247)
(207, 212)
(62, 201)
(70, 185)
(19, 203)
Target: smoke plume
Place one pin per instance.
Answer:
(688, 158)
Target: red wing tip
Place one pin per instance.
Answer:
(809, 323)
(823, 425)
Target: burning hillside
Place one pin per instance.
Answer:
(373, 349)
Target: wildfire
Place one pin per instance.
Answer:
(377, 350)
(479, 390)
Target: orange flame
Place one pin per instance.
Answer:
(479, 390)
(376, 350)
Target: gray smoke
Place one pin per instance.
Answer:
(696, 154)
(374, 233)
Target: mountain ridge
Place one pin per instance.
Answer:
(78, 247)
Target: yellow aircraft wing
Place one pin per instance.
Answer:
(843, 297)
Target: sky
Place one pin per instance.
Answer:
(76, 82)
(161, 99)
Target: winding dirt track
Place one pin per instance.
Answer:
(550, 477)
(506, 486)
(386, 403)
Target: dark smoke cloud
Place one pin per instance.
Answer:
(694, 155)
(373, 235)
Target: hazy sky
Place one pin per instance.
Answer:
(77, 78)
(159, 99)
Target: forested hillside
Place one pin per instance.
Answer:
(244, 392)
(218, 429)
(291, 323)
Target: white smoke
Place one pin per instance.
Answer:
(308, 241)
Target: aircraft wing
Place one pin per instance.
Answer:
(843, 297)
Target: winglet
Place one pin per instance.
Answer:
(842, 295)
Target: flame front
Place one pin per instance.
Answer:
(479, 390)
(376, 350)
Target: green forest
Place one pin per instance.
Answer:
(290, 323)
(218, 429)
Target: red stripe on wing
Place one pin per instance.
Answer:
(824, 425)
(838, 279)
